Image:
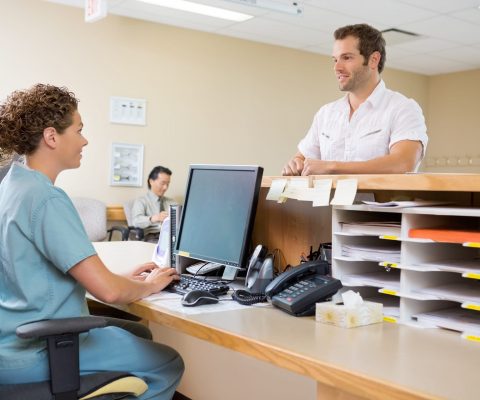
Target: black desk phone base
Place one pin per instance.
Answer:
(299, 289)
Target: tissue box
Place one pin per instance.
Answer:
(349, 317)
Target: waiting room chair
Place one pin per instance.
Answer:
(138, 233)
(63, 353)
(93, 214)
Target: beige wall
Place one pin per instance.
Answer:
(211, 99)
(454, 122)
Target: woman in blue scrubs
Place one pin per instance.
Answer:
(46, 259)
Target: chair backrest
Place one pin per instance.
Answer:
(93, 214)
(127, 209)
(6, 163)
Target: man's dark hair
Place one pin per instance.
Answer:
(369, 41)
(154, 173)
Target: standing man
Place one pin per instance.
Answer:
(150, 210)
(371, 130)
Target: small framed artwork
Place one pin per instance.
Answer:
(126, 164)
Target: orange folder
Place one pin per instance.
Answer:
(445, 235)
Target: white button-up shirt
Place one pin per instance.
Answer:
(385, 118)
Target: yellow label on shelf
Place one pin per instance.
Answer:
(473, 338)
(388, 291)
(386, 318)
(388, 264)
(471, 306)
(184, 253)
(389, 237)
(471, 275)
(472, 244)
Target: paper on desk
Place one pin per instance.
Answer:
(226, 304)
(163, 296)
(345, 192)
(276, 189)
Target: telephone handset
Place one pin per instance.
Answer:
(260, 270)
(299, 289)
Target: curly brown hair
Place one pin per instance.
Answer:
(369, 41)
(25, 114)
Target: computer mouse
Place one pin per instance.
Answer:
(199, 297)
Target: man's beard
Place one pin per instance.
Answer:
(357, 78)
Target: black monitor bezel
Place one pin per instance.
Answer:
(252, 210)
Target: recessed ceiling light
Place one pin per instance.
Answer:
(196, 8)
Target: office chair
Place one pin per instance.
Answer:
(63, 354)
(93, 214)
(138, 233)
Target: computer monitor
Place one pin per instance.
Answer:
(218, 215)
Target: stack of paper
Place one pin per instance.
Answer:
(458, 319)
(384, 251)
(454, 265)
(388, 228)
(381, 279)
(403, 204)
(460, 292)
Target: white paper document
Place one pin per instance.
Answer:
(380, 279)
(345, 192)
(296, 187)
(383, 251)
(225, 304)
(460, 292)
(323, 188)
(404, 204)
(276, 189)
(455, 318)
(381, 228)
(454, 265)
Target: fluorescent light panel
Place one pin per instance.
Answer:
(196, 8)
(291, 7)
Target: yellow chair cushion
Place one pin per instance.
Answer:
(128, 384)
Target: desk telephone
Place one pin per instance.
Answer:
(297, 290)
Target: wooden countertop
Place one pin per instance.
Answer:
(417, 182)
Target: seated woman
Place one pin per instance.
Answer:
(150, 210)
(47, 261)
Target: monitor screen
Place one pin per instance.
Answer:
(219, 213)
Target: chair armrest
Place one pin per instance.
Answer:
(42, 329)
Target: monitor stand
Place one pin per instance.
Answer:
(229, 273)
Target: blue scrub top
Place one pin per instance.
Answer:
(41, 238)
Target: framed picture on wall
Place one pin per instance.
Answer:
(126, 164)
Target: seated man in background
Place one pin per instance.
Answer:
(150, 210)
(372, 129)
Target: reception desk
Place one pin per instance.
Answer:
(382, 361)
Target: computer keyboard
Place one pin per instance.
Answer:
(188, 283)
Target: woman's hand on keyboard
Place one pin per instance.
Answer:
(162, 277)
(142, 271)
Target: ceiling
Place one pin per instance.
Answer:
(448, 41)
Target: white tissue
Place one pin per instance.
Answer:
(351, 299)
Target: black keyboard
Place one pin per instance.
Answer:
(188, 283)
